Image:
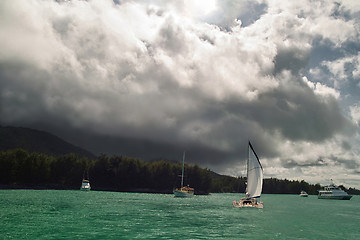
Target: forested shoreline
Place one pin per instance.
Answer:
(22, 169)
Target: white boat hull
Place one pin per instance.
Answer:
(333, 192)
(85, 186)
(248, 203)
(338, 197)
(183, 194)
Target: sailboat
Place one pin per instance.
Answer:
(254, 182)
(85, 184)
(183, 191)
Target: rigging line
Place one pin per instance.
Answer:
(254, 168)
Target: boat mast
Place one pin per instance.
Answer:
(247, 167)
(182, 172)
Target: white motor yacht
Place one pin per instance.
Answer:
(333, 192)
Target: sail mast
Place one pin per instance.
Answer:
(182, 172)
(257, 158)
(247, 167)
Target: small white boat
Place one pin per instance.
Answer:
(254, 182)
(186, 191)
(333, 192)
(303, 194)
(85, 185)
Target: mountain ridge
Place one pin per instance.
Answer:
(34, 140)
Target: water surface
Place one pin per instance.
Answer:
(53, 214)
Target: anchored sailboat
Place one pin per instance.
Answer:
(254, 182)
(183, 191)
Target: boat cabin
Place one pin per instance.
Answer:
(332, 188)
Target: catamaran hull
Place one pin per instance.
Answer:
(248, 203)
(346, 197)
(183, 194)
(259, 205)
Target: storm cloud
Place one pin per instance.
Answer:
(154, 78)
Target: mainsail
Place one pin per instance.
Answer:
(254, 174)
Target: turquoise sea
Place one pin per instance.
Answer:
(53, 214)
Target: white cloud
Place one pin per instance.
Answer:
(355, 114)
(321, 89)
(147, 70)
(318, 19)
(338, 67)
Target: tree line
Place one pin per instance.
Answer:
(270, 185)
(20, 168)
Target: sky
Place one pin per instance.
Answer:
(154, 78)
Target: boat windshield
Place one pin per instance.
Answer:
(332, 187)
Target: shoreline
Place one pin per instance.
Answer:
(65, 187)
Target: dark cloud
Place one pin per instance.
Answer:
(341, 12)
(293, 164)
(291, 58)
(347, 163)
(295, 111)
(145, 79)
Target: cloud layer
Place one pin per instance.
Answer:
(151, 78)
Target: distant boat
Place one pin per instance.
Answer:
(254, 182)
(333, 192)
(303, 194)
(183, 191)
(85, 184)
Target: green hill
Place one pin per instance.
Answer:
(38, 141)
(33, 158)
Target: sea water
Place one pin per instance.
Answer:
(52, 214)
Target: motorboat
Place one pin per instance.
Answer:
(303, 194)
(85, 185)
(333, 192)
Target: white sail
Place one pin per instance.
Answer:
(254, 174)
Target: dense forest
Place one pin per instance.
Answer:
(20, 168)
(23, 169)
